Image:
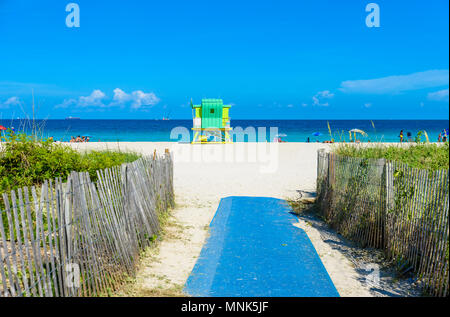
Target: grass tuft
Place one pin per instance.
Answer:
(27, 161)
(423, 156)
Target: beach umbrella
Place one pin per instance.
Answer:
(2, 128)
(317, 134)
(358, 131)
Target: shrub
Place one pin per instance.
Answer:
(424, 156)
(25, 161)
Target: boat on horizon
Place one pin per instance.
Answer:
(72, 118)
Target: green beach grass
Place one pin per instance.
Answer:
(421, 155)
(27, 161)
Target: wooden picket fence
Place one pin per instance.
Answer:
(391, 206)
(81, 238)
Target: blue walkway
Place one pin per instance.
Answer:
(254, 251)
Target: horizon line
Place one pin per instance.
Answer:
(240, 119)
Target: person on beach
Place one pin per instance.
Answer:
(401, 136)
(440, 137)
(409, 134)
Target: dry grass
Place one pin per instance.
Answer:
(170, 230)
(392, 281)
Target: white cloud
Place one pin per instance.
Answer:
(67, 103)
(10, 102)
(396, 84)
(13, 101)
(320, 98)
(441, 95)
(120, 96)
(94, 99)
(136, 100)
(142, 99)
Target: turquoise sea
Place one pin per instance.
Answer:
(289, 130)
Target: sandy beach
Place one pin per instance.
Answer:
(203, 174)
(202, 178)
(268, 169)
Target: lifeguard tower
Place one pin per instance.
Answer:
(211, 122)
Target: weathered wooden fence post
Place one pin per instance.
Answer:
(390, 205)
(389, 176)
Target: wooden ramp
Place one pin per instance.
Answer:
(255, 251)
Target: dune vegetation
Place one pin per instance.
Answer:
(421, 155)
(27, 161)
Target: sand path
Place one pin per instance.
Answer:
(200, 185)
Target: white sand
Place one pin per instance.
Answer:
(200, 185)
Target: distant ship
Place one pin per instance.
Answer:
(72, 118)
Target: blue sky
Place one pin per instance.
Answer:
(297, 59)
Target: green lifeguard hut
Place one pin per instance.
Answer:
(211, 122)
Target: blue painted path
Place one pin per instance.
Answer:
(254, 250)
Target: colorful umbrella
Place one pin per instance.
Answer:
(3, 128)
(358, 131)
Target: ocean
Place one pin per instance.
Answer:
(289, 130)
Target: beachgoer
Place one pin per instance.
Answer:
(308, 140)
(409, 134)
(401, 136)
(72, 139)
(439, 137)
(87, 139)
(78, 139)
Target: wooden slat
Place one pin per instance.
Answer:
(20, 244)
(102, 227)
(405, 215)
(9, 283)
(12, 241)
